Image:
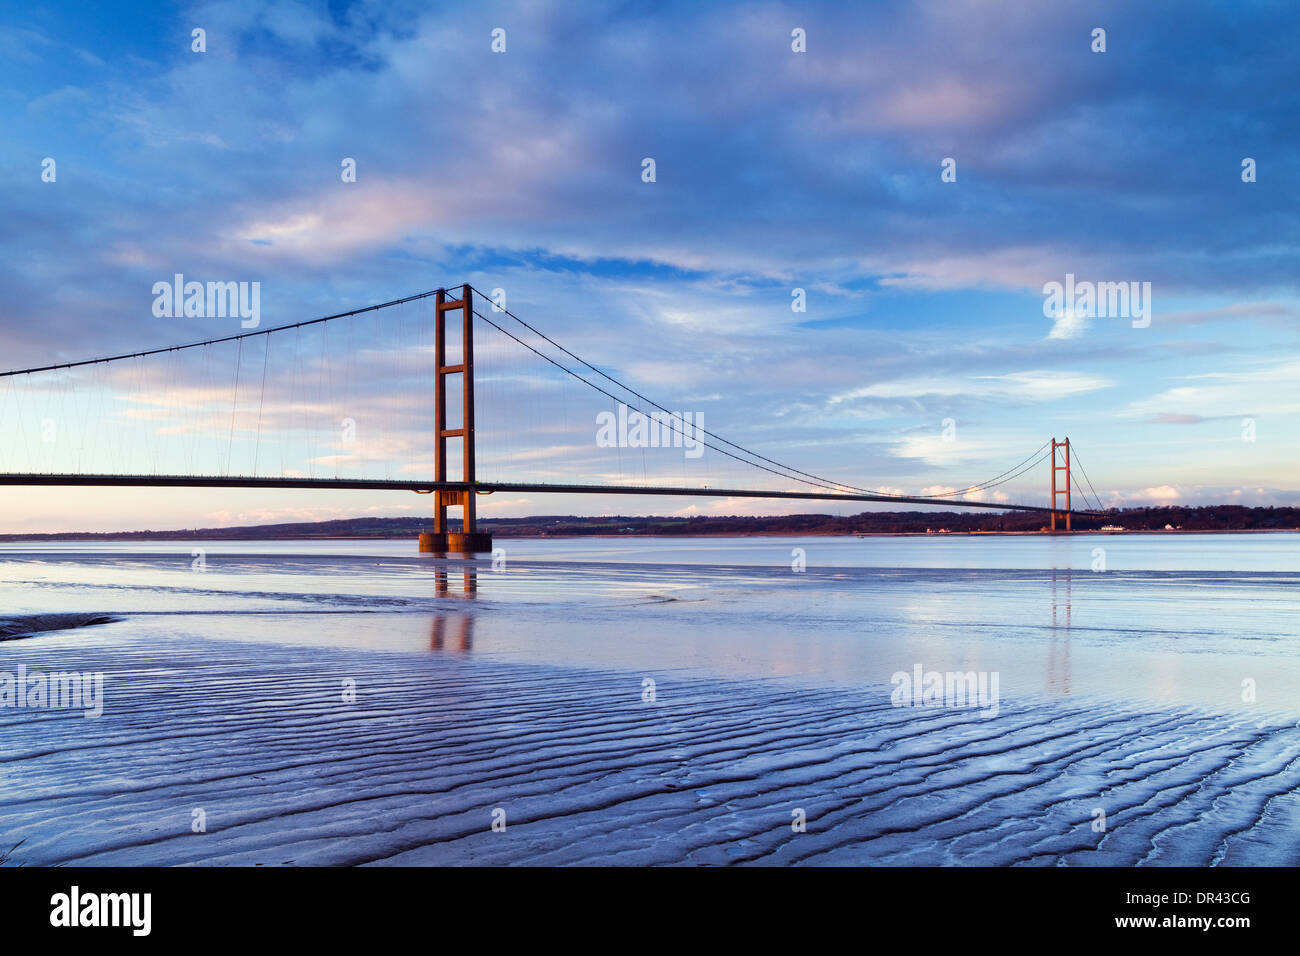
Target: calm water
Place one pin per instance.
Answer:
(1171, 619)
(1139, 552)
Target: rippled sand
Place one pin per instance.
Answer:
(225, 704)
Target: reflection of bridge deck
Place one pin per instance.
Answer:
(487, 488)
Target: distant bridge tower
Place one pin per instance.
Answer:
(469, 539)
(1056, 489)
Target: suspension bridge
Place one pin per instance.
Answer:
(402, 387)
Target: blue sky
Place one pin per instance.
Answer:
(775, 170)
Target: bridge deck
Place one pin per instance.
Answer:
(489, 487)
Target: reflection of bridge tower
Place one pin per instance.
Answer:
(1056, 492)
(464, 638)
(464, 633)
(1058, 648)
(469, 539)
(442, 583)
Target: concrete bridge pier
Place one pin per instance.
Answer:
(469, 540)
(455, 542)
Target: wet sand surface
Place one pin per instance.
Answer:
(331, 709)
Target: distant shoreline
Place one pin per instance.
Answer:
(1208, 519)
(192, 536)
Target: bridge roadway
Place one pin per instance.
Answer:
(489, 487)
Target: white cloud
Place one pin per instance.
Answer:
(938, 490)
(1163, 494)
(1030, 386)
(1273, 389)
(1068, 325)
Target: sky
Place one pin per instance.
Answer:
(921, 171)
